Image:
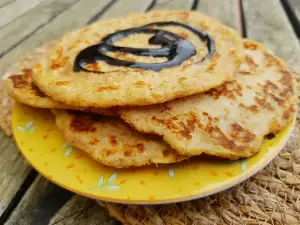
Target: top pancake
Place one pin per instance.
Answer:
(115, 85)
(229, 121)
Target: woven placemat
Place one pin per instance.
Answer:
(271, 197)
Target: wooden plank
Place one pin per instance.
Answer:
(55, 28)
(64, 22)
(173, 4)
(11, 11)
(4, 3)
(295, 6)
(13, 171)
(15, 32)
(267, 23)
(292, 8)
(82, 211)
(227, 11)
(42, 200)
(122, 8)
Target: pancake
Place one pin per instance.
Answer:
(141, 59)
(111, 141)
(230, 121)
(19, 85)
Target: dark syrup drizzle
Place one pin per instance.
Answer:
(174, 47)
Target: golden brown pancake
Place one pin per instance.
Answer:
(230, 121)
(110, 141)
(98, 83)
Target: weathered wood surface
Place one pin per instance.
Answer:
(295, 6)
(39, 203)
(4, 3)
(82, 211)
(16, 8)
(13, 171)
(267, 23)
(60, 24)
(173, 4)
(292, 8)
(45, 203)
(227, 11)
(17, 31)
(43, 199)
(122, 8)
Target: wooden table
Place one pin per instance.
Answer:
(28, 198)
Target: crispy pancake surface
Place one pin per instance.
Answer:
(106, 85)
(229, 121)
(19, 83)
(20, 86)
(111, 141)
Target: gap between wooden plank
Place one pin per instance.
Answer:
(150, 7)
(195, 5)
(292, 9)
(242, 19)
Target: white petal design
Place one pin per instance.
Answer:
(112, 178)
(32, 129)
(171, 172)
(20, 128)
(68, 152)
(64, 145)
(29, 124)
(100, 182)
(244, 165)
(113, 187)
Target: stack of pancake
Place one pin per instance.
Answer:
(157, 88)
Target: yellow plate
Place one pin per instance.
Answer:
(45, 149)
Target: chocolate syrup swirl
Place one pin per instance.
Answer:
(175, 48)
